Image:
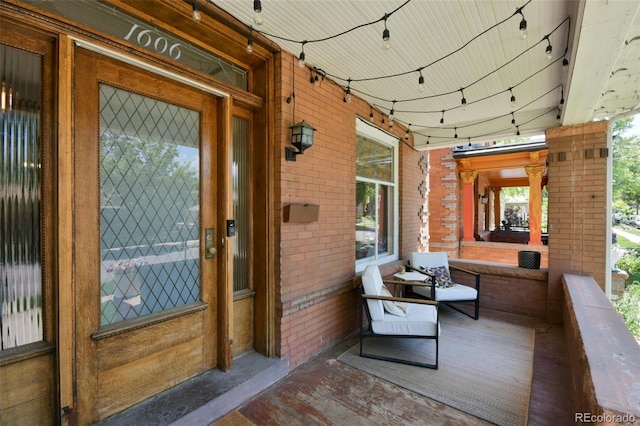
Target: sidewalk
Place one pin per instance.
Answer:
(629, 236)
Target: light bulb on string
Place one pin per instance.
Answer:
(469, 142)
(406, 134)
(250, 41)
(421, 81)
(517, 130)
(391, 113)
(428, 139)
(463, 101)
(562, 97)
(301, 58)
(347, 93)
(558, 116)
(197, 16)
(371, 115)
(385, 34)
(442, 120)
(565, 64)
(513, 98)
(513, 118)
(549, 50)
(523, 25)
(257, 12)
(455, 135)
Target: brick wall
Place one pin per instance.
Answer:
(577, 206)
(315, 298)
(444, 225)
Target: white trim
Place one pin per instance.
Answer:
(376, 134)
(146, 66)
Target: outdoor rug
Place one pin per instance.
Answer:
(485, 367)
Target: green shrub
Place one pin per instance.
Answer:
(629, 262)
(628, 305)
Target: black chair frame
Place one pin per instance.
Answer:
(366, 331)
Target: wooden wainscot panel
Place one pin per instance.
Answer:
(130, 384)
(243, 336)
(25, 392)
(301, 213)
(122, 349)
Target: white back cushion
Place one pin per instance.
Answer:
(372, 283)
(429, 259)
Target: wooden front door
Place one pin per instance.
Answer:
(145, 261)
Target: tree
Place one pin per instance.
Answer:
(626, 164)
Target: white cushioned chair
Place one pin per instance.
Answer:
(427, 263)
(395, 317)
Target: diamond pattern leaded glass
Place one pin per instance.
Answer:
(149, 205)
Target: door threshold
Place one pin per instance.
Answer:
(207, 397)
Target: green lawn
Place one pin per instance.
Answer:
(625, 243)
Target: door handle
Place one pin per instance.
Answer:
(209, 244)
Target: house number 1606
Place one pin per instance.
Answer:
(160, 45)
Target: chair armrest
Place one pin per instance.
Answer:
(422, 271)
(402, 282)
(400, 299)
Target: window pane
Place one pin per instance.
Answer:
(241, 203)
(366, 220)
(374, 160)
(385, 219)
(149, 176)
(20, 257)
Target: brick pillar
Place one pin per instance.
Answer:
(577, 188)
(468, 204)
(535, 204)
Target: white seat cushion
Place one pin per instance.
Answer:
(421, 320)
(449, 294)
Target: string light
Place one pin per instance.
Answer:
(197, 16)
(385, 34)
(549, 49)
(250, 41)
(391, 114)
(469, 142)
(406, 135)
(558, 116)
(302, 56)
(523, 24)
(513, 98)
(463, 101)
(371, 115)
(428, 139)
(513, 118)
(421, 81)
(562, 97)
(565, 64)
(518, 131)
(455, 135)
(257, 12)
(347, 93)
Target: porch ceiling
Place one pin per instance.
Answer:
(447, 42)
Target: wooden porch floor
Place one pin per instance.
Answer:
(361, 399)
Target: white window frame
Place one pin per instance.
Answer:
(364, 128)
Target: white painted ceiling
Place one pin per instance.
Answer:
(455, 46)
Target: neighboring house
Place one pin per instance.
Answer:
(146, 278)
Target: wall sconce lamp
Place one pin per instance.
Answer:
(301, 138)
(484, 199)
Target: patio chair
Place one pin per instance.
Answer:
(395, 317)
(445, 291)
